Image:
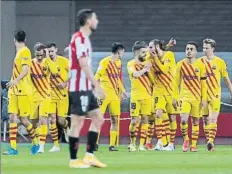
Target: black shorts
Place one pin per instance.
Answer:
(81, 102)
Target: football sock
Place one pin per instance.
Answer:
(212, 132)
(173, 127)
(91, 141)
(143, 133)
(73, 147)
(113, 137)
(195, 135)
(184, 131)
(13, 135)
(54, 134)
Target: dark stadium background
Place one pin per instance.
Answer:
(123, 20)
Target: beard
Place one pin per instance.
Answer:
(93, 29)
(156, 51)
(51, 56)
(141, 59)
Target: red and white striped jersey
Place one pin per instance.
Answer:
(79, 46)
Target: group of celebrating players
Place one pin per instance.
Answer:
(160, 89)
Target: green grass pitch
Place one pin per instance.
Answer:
(122, 162)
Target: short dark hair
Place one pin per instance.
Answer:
(138, 45)
(193, 43)
(51, 44)
(116, 46)
(20, 35)
(161, 43)
(39, 46)
(83, 15)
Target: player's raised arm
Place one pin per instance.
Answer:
(139, 73)
(171, 43)
(164, 67)
(151, 76)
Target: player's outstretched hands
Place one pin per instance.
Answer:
(153, 54)
(203, 104)
(175, 103)
(62, 85)
(172, 42)
(11, 83)
(148, 66)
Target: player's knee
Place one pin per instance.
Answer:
(24, 121)
(43, 120)
(206, 120)
(100, 121)
(134, 121)
(13, 118)
(159, 113)
(53, 120)
(114, 120)
(35, 125)
(172, 118)
(195, 122)
(144, 120)
(151, 122)
(184, 121)
(213, 120)
(61, 121)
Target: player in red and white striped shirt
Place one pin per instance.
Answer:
(81, 86)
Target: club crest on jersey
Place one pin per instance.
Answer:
(214, 67)
(196, 70)
(44, 68)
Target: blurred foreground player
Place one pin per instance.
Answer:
(215, 70)
(20, 94)
(82, 86)
(108, 74)
(191, 91)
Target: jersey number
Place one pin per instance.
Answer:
(133, 105)
(100, 102)
(84, 103)
(156, 99)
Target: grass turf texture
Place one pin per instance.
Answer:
(122, 162)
